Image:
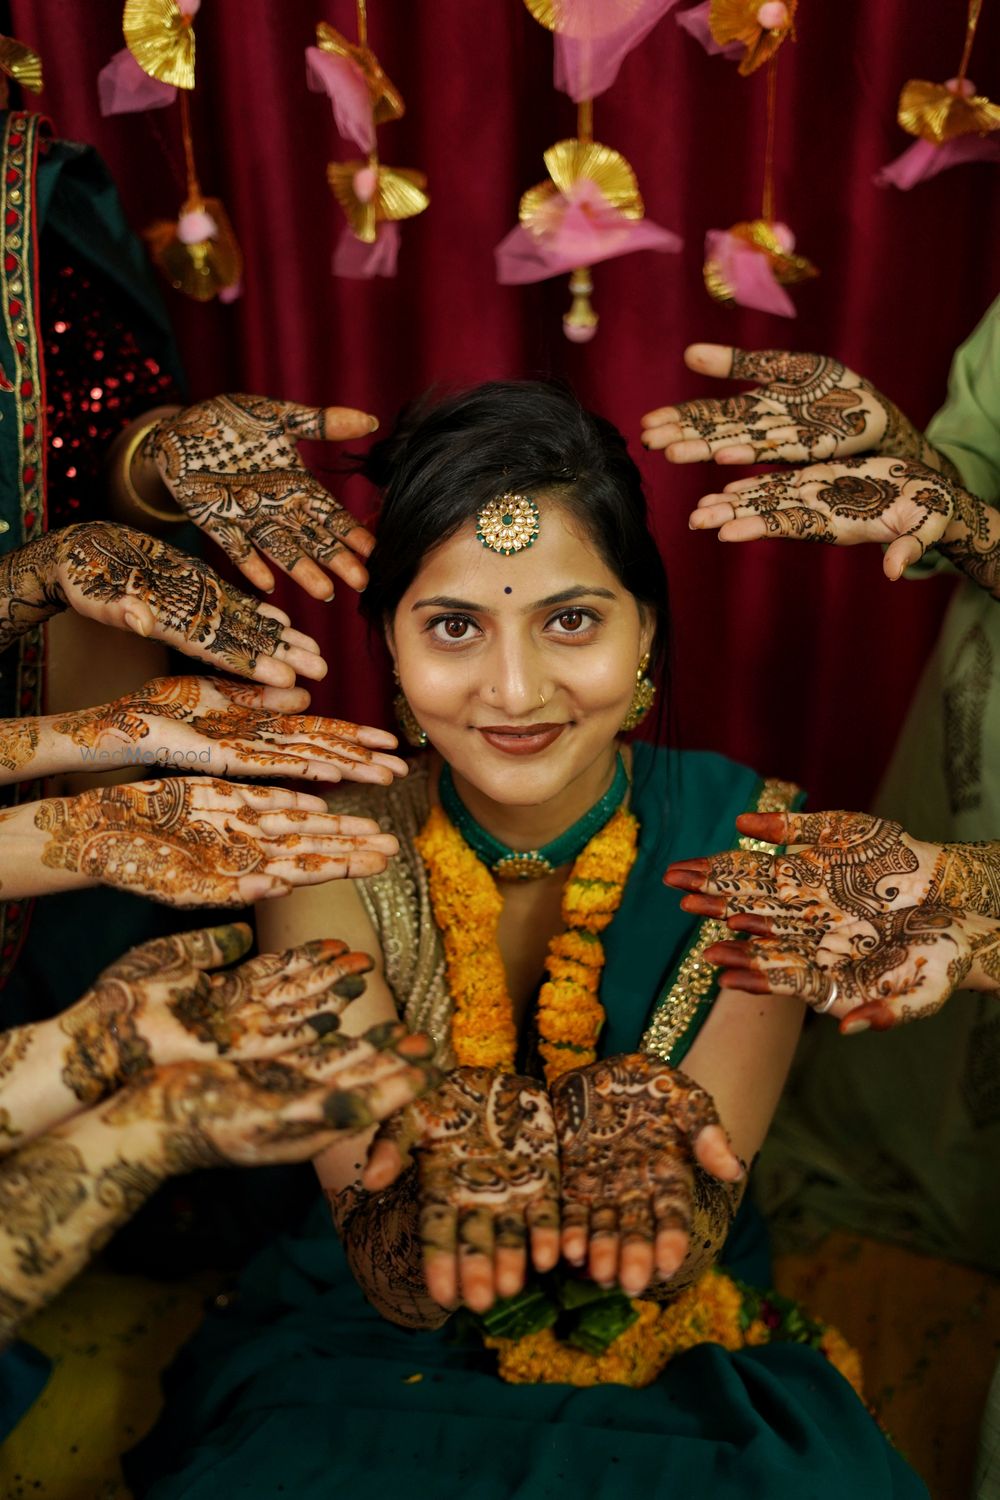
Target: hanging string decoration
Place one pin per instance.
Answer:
(952, 122)
(18, 62)
(374, 197)
(752, 262)
(590, 208)
(198, 251)
(744, 30)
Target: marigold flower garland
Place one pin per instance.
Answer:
(467, 907)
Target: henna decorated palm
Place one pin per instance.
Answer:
(159, 1005)
(630, 1131)
(247, 1113)
(899, 966)
(898, 503)
(837, 866)
(232, 464)
(805, 407)
(200, 842)
(228, 728)
(487, 1164)
(133, 581)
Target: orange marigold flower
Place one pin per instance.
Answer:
(844, 1357)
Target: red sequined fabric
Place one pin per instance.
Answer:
(97, 381)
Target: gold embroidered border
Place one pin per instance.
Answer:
(695, 977)
(19, 294)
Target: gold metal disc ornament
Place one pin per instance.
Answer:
(508, 524)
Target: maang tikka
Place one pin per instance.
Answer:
(508, 524)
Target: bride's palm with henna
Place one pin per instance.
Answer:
(487, 1162)
(804, 407)
(630, 1131)
(233, 465)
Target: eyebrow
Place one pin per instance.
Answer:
(564, 596)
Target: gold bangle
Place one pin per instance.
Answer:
(128, 484)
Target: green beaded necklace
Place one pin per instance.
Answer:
(531, 864)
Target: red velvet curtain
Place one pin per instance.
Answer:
(798, 660)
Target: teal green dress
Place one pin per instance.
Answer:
(298, 1388)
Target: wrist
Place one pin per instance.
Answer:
(140, 495)
(37, 856)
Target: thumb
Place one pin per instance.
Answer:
(330, 423)
(392, 1148)
(900, 555)
(133, 614)
(711, 359)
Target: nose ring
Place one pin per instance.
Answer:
(541, 700)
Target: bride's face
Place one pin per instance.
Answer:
(520, 669)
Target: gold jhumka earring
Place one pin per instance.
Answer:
(408, 723)
(642, 697)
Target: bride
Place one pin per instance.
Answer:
(524, 924)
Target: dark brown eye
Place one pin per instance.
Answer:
(572, 619)
(456, 627)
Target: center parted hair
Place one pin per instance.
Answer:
(446, 459)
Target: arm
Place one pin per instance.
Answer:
(65, 1193)
(380, 1230)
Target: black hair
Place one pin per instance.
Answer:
(446, 458)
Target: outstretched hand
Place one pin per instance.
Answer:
(194, 841)
(804, 407)
(222, 728)
(898, 503)
(630, 1131)
(161, 1004)
(487, 1165)
(233, 465)
(900, 966)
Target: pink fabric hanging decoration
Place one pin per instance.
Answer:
(123, 87)
(344, 82)
(695, 23)
(593, 38)
(924, 160)
(739, 272)
(578, 228)
(361, 262)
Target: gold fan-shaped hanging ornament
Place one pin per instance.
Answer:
(387, 101)
(760, 27)
(203, 268)
(937, 113)
(568, 162)
(575, 17)
(395, 193)
(19, 62)
(161, 39)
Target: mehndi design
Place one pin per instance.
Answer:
(232, 464)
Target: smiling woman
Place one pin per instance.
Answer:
(525, 926)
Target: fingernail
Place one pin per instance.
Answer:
(346, 1111)
(327, 597)
(852, 1028)
(373, 424)
(134, 623)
